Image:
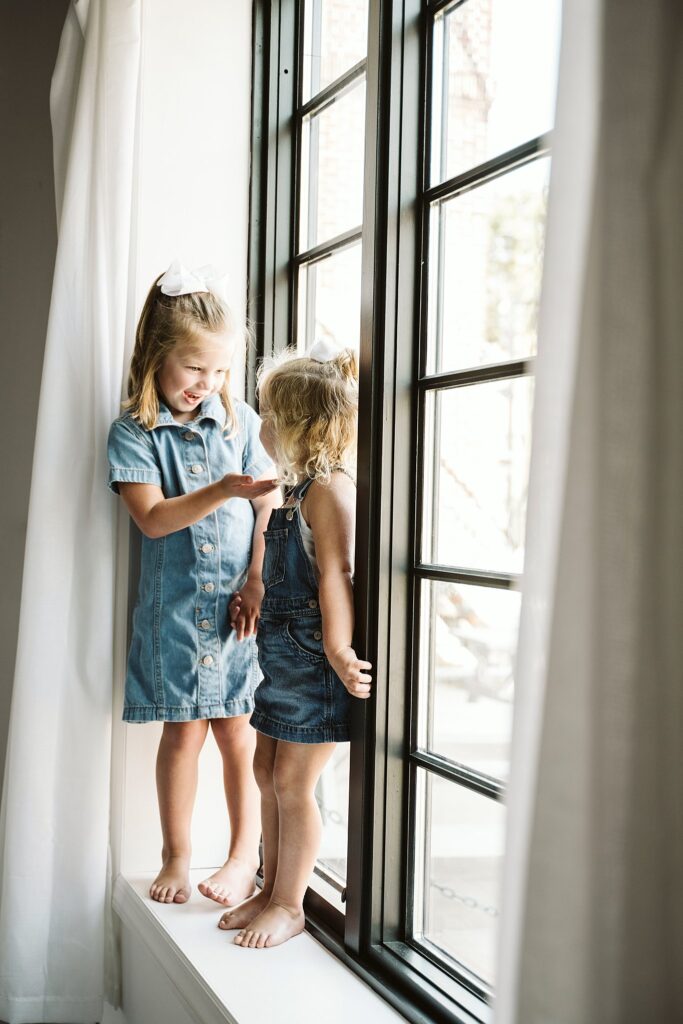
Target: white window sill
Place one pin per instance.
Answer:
(218, 981)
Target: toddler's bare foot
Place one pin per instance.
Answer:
(231, 884)
(275, 925)
(172, 884)
(246, 912)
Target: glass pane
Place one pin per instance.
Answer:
(486, 259)
(467, 655)
(329, 299)
(332, 151)
(335, 38)
(332, 796)
(460, 838)
(494, 80)
(476, 469)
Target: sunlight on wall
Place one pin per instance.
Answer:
(193, 203)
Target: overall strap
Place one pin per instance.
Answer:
(299, 490)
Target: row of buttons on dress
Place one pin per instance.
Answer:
(206, 549)
(197, 468)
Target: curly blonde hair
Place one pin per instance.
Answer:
(167, 321)
(312, 409)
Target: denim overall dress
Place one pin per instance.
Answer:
(301, 698)
(185, 662)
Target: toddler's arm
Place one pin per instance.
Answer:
(331, 512)
(158, 516)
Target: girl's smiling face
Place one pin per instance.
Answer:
(194, 371)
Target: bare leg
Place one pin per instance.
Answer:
(176, 788)
(234, 882)
(298, 767)
(264, 762)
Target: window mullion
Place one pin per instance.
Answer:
(459, 773)
(523, 154)
(334, 91)
(377, 785)
(283, 72)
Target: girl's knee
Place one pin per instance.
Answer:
(231, 731)
(263, 770)
(263, 774)
(289, 785)
(264, 761)
(184, 736)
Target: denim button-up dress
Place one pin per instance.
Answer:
(184, 661)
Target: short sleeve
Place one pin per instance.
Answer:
(132, 457)
(255, 459)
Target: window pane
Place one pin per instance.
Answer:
(460, 839)
(494, 80)
(486, 259)
(467, 653)
(476, 468)
(335, 38)
(332, 150)
(332, 795)
(329, 299)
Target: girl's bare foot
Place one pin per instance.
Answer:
(231, 884)
(272, 927)
(246, 912)
(172, 884)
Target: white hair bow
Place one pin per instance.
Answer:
(178, 280)
(323, 351)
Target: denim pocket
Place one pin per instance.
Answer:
(305, 635)
(274, 557)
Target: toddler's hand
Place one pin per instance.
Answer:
(234, 485)
(352, 671)
(245, 607)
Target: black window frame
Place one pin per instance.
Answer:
(371, 936)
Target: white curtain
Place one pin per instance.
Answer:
(54, 828)
(592, 923)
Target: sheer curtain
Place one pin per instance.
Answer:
(55, 808)
(592, 925)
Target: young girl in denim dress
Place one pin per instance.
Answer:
(187, 461)
(310, 670)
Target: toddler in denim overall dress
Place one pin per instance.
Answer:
(185, 457)
(300, 698)
(305, 631)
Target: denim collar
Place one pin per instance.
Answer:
(211, 408)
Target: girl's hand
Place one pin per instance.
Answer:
(234, 485)
(245, 607)
(352, 671)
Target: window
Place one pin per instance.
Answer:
(318, 181)
(458, 100)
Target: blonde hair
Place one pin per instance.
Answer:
(167, 321)
(312, 409)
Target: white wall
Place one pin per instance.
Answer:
(29, 37)
(193, 202)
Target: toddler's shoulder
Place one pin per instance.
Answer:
(340, 490)
(340, 482)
